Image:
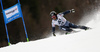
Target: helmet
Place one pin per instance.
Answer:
(52, 13)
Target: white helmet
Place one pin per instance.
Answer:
(52, 13)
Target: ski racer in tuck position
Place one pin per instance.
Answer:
(58, 19)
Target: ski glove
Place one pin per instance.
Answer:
(72, 10)
(54, 34)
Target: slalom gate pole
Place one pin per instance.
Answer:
(5, 25)
(24, 24)
(25, 29)
(18, 1)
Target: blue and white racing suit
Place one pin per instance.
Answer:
(62, 22)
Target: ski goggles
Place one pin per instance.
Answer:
(53, 16)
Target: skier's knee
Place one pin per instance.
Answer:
(69, 30)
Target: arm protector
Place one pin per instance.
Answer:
(66, 12)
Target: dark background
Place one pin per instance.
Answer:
(37, 19)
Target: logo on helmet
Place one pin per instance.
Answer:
(52, 13)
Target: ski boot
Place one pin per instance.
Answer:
(84, 27)
(68, 32)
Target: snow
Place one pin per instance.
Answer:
(84, 41)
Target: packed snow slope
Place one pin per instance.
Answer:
(84, 41)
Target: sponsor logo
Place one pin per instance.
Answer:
(11, 11)
(13, 18)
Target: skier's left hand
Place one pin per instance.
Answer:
(54, 34)
(72, 10)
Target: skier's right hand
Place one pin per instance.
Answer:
(54, 34)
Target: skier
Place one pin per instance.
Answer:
(58, 19)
